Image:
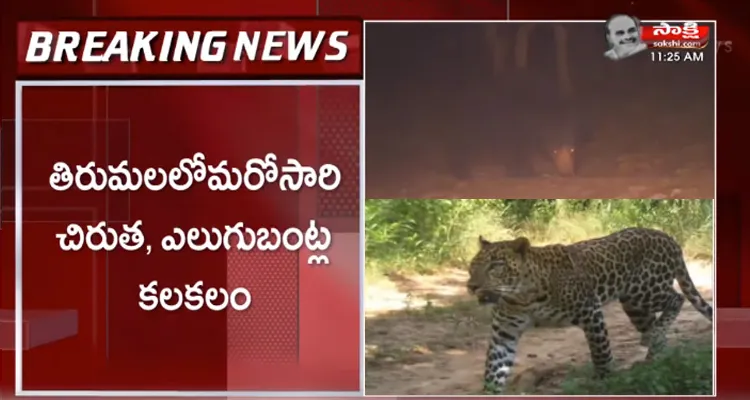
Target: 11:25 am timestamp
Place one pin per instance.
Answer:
(662, 56)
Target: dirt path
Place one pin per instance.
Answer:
(617, 171)
(429, 338)
(487, 185)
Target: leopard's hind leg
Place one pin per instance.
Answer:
(641, 309)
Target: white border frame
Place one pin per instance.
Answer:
(19, 238)
(602, 22)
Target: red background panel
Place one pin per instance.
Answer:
(733, 268)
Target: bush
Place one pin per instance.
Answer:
(422, 236)
(683, 370)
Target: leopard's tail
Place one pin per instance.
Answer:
(691, 292)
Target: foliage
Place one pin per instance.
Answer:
(424, 235)
(686, 369)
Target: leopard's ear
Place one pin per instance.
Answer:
(483, 242)
(521, 245)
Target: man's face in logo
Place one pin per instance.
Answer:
(623, 31)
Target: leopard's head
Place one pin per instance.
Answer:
(502, 272)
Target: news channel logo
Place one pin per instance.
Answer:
(623, 35)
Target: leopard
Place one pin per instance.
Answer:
(554, 143)
(568, 285)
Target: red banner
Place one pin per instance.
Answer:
(168, 49)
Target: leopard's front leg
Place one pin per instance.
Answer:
(501, 354)
(595, 329)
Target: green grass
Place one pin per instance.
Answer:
(423, 236)
(686, 369)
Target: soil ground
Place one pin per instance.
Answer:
(629, 159)
(426, 336)
(685, 173)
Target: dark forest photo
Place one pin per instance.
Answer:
(458, 110)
